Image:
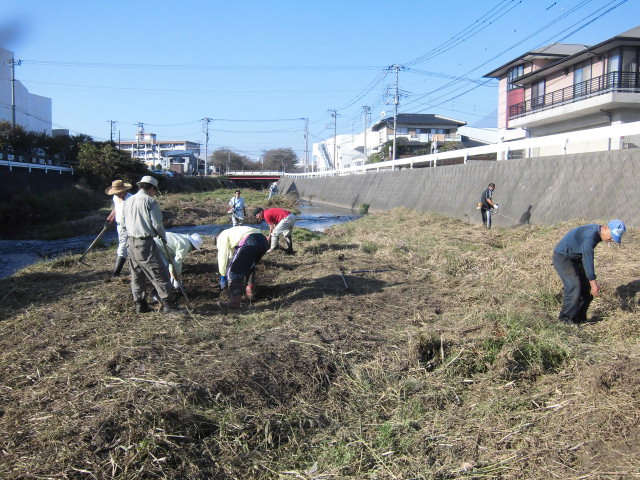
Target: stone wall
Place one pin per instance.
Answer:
(592, 187)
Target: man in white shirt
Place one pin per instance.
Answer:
(120, 192)
(238, 209)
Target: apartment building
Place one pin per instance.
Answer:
(164, 153)
(32, 112)
(567, 87)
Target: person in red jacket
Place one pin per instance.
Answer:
(280, 222)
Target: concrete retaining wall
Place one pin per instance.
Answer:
(595, 186)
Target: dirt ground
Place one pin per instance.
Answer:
(398, 346)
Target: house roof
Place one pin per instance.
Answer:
(566, 55)
(630, 37)
(553, 51)
(417, 120)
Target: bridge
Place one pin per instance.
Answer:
(254, 178)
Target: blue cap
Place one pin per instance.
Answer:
(617, 228)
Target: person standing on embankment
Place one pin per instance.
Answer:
(120, 192)
(238, 209)
(142, 222)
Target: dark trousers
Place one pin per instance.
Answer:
(486, 216)
(577, 290)
(148, 269)
(244, 261)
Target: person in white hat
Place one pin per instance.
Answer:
(120, 191)
(177, 247)
(143, 222)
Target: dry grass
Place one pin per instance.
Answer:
(447, 363)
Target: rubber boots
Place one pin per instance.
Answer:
(171, 307)
(142, 306)
(233, 303)
(289, 241)
(118, 266)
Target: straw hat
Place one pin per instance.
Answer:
(117, 186)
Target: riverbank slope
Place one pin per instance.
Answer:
(443, 360)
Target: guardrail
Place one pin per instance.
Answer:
(35, 166)
(502, 151)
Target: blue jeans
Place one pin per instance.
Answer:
(577, 290)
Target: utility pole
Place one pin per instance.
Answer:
(13, 62)
(366, 110)
(205, 124)
(396, 101)
(334, 114)
(306, 144)
(112, 125)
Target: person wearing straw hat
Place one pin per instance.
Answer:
(177, 247)
(120, 191)
(142, 222)
(573, 260)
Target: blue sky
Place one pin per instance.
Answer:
(258, 68)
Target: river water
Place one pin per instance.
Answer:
(17, 254)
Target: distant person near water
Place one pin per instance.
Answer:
(120, 191)
(487, 206)
(238, 209)
(573, 260)
(273, 189)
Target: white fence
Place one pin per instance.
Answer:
(35, 166)
(614, 137)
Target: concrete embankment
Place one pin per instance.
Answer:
(593, 186)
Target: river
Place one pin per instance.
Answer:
(17, 254)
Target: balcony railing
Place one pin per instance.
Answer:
(610, 82)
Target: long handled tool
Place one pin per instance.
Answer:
(508, 218)
(175, 271)
(96, 240)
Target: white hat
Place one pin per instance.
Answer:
(148, 179)
(196, 241)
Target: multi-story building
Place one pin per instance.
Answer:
(32, 112)
(412, 129)
(564, 87)
(162, 154)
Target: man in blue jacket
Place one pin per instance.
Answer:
(573, 260)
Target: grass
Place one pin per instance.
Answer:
(450, 364)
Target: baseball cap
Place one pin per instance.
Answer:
(617, 228)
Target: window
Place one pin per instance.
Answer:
(629, 71)
(514, 73)
(537, 94)
(581, 78)
(402, 130)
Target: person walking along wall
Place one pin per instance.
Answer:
(143, 221)
(487, 205)
(573, 259)
(120, 192)
(239, 249)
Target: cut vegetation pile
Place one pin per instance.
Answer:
(446, 362)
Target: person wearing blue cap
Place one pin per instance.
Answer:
(573, 260)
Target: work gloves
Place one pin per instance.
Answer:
(223, 282)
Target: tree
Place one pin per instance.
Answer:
(281, 159)
(100, 163)
(225, 160)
